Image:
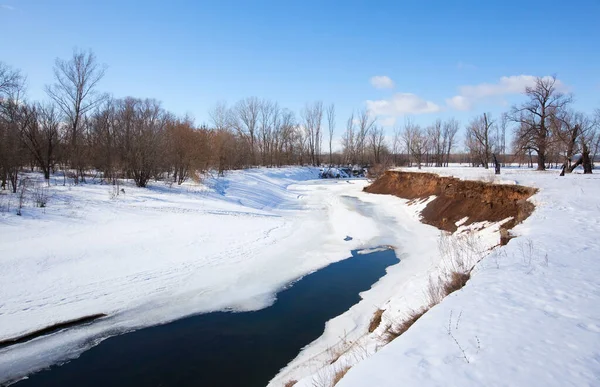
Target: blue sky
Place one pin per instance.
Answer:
(192, 54)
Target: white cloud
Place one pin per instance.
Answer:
(459, 102)
(401, 104)
(8, 7)
(507, 85)
(469, 95)
(382, 82)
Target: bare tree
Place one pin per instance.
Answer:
(589, 139)
(13, 117)
(246, 123)
(104, 139)
(436, 142)
(349, 141)
(149, 122)
(418, 145)
(578, 134)
(186, 148)
(221, 118)
(284, 135)
(396, 144)
(595, 142)
(567, 129)
(501, 137)
(533, 117)
(479, 139)
(331, 127)
(10, 81)
(408, 134)
(377, 144)
(449, 130)
(416, 141)
(364, 125)
(74, 91)
(40, 134)
(269, 119)
(312, 116)
(300, 140)
(319, 132)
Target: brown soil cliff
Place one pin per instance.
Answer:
(456, 199)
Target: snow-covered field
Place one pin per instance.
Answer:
(149, 256)
(530, 315)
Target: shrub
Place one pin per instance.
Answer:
(21, 195)
(40, 196)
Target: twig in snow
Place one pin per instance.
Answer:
(458, 320)
(464, 354)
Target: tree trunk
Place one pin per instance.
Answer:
(586, 161)
(541, 161)
(496, 165)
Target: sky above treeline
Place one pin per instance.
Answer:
(419, 59)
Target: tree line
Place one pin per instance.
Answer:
(544, 130)
(79, 129)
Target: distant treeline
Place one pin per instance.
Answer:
(80, 129)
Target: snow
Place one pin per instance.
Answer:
(529, 315)
(149, 256)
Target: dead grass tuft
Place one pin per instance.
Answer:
(456, 281)
(443, 285)
(376, 320)
(339, 375)
(393, 331)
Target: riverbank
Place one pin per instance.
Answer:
(458, 202)
(525, 317)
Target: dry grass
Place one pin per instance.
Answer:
(456, 281)
(376, 320)
(340, 348)
(339, 375)
(436, 291)
(443, 285)
(290, 383)
(393, 331)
